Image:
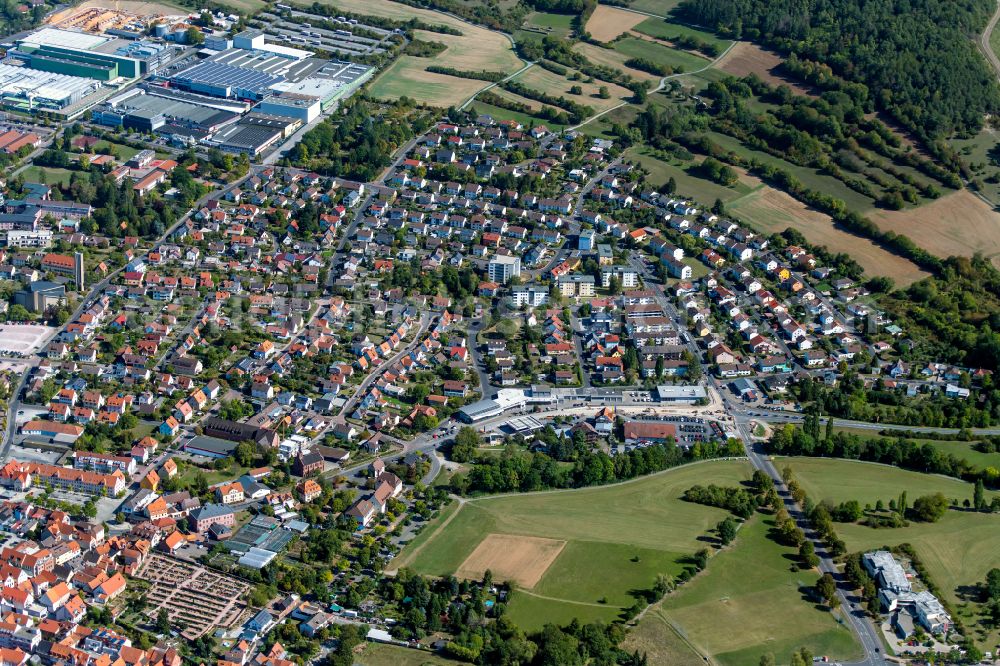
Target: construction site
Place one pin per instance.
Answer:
(115, 18)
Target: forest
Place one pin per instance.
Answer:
(919, 63)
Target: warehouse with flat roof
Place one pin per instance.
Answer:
(150, 113)
(224, 80)
(248, 138)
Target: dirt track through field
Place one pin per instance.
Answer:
(521, 559)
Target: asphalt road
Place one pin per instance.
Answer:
(362, 388)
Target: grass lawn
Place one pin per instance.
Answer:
(661, 29)
(603, 127)
(959, 449)
(125, 153)
(839, 480)
(661, 642)
(531, 613)
(187, 475)
(657, 7)
(751, 586)
(811, 178)
(506, 114)
(376, 654)
(614, 59)
(688, 184)
(604, 528)
(958, 550)
(680, 60)
(53, 176)
(582, 576)
(556, 24)
(974, 150)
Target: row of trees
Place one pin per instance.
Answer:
(898, 452)
(515, 470)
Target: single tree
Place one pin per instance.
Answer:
(727, 531)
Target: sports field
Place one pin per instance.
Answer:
(749, 602)
(475, 49)
(958, 550)
(617, 539)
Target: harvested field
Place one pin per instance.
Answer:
(476, 48)
(956, 224)
(511, 557)
(612, 58)
(506, 94)
(606, 22)
(770, 210)
(746, 58)
(407, 77)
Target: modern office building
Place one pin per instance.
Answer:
(39, 238)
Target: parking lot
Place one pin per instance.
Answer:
(332, 34)
(23, 339)
(28, 451)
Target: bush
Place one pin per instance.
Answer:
(930, 508)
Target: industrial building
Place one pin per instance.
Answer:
(152, 113)
(26, 89)
(90, 56)
(307, 98)
(64, 72)
(244, 137)
(287, 82)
